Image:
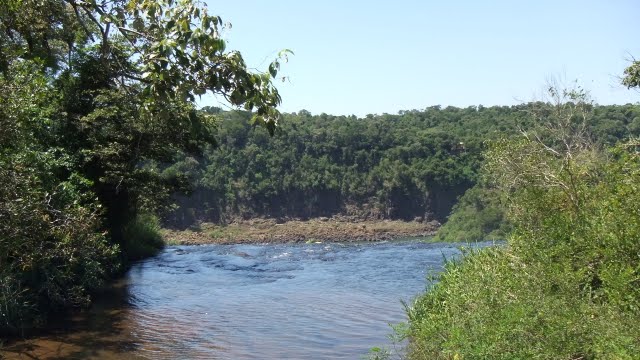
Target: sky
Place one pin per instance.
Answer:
(374, 57)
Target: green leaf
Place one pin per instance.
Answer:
(273, 69)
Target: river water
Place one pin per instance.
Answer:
(285, 301)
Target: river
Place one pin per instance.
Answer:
(283, 301)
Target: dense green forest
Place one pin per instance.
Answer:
(412, 165)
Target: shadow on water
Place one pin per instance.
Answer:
(95, 332)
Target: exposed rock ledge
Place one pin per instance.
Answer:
(314, 230)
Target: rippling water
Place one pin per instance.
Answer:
(288, 301)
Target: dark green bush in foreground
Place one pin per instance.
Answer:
(52, 252)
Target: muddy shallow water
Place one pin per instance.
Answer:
(283, 301)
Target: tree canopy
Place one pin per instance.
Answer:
(632, 75)
(410, 165)
(95, 95)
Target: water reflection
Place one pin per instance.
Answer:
(95, 333)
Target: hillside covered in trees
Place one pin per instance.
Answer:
(412, 165)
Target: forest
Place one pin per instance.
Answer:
(101, 143)
(414, 165)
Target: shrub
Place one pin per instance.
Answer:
(567, 285)
(477, 216)
(142, 237)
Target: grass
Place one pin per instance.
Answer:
(494, 305)
(224, 232)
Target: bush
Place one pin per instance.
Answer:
(52, 252)
(567, 284)
(477, 216)
(495, 305)
(14, 306)
(142, 237)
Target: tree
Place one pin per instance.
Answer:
(129, 73)
(631, 77)
(97, 98)
(175, 49)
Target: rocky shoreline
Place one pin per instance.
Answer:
(259, 231)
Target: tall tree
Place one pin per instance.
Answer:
(129, 73)
(96, 95)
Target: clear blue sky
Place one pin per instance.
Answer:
(362, 57)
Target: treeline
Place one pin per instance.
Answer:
(412, 165)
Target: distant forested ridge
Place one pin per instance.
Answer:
(412, 165)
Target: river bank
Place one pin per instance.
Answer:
(292, 231)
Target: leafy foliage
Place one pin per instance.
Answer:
(632, 75)
(477, 216)
(569, 121)
(50, 249)
(566, 284)
(142, 237)
(95, 97)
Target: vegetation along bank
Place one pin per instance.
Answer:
(566, 286)
(261, 231)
